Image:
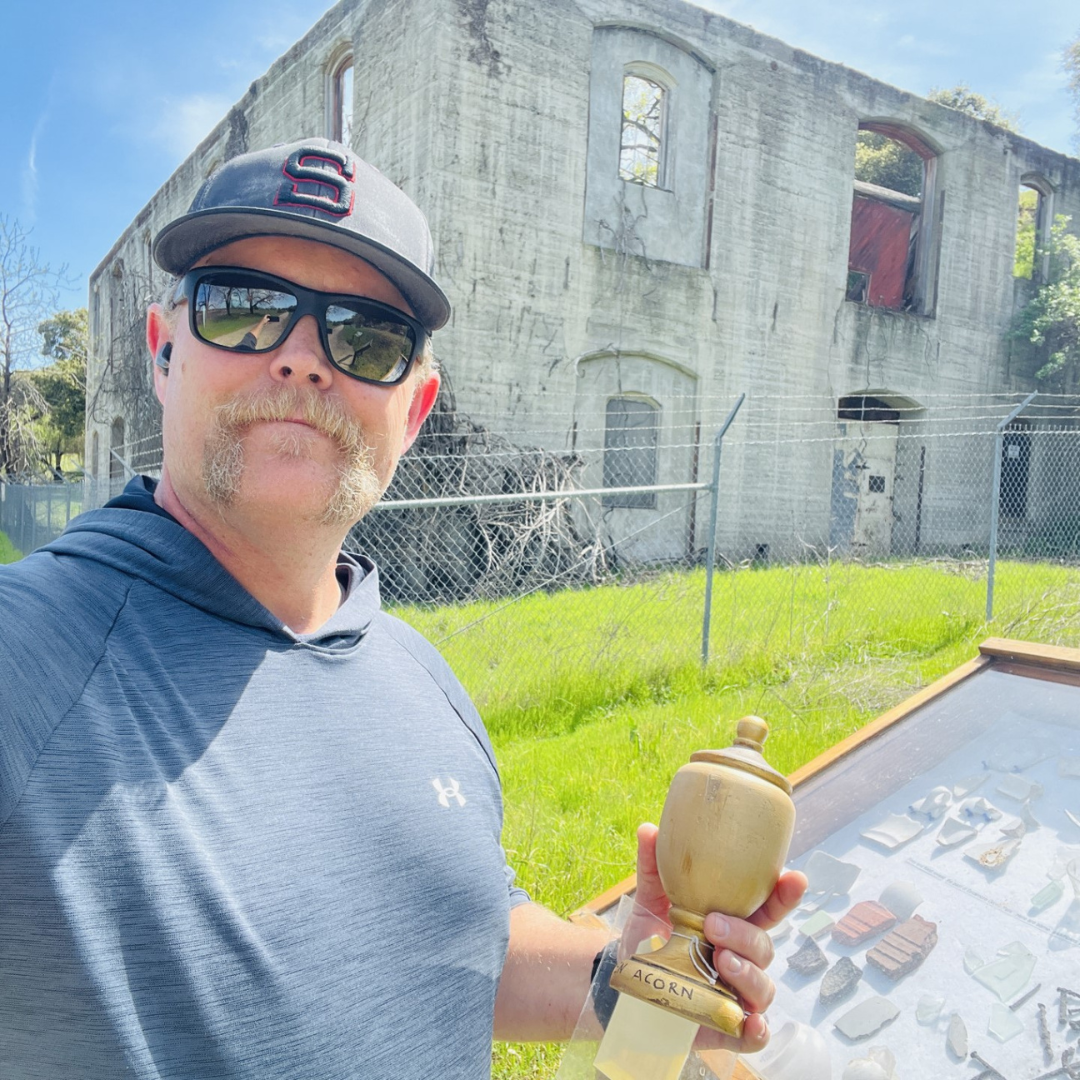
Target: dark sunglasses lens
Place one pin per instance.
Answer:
(241, 312)
(369, 344)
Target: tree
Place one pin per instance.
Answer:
(962, 98)
(28, 290)
(1072, 68)
(1050, 322)
(62, 385)
(888, 163)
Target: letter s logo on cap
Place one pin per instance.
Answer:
(327, 172)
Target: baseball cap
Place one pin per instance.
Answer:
(318, 190)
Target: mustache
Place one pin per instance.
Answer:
(325, 413)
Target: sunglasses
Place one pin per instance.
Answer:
(247, 311)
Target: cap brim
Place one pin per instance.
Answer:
(187, 239)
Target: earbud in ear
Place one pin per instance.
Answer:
(162, 359)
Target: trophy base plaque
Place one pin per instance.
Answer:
(680, 978)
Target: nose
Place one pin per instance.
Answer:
(301, 357)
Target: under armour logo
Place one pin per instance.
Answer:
(321, 179)
(448, 792)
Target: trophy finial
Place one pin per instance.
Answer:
(751, 732)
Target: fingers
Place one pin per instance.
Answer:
(783, 900)
(741, 955)
(650, 890)
(755, 1037)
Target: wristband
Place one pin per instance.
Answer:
(604, 997)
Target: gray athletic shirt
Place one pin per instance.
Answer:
(228, 850)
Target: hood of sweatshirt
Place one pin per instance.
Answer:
(134, 536)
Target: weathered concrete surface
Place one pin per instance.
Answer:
(499, 118)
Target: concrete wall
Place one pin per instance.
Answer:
(500, 118)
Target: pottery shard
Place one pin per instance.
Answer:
(839, 981)
(808, 960)
(863, 921)
(905, 948)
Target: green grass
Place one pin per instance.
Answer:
(8, 552)
(594, 698)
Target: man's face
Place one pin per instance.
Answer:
(284, 434)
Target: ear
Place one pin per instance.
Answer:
(158, 335)
(423, 400)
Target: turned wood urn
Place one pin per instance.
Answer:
(724, 836)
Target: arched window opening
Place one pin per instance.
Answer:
(341, 102)
(631, 431)
(1033, 217)
(641, 149)
(867, 409)
(116, 461)
(889, 257)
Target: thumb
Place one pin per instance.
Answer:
(650, 890)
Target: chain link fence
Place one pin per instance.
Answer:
(32, 514)
(481, 530)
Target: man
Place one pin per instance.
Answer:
(249, 824)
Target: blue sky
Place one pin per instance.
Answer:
(99, 102)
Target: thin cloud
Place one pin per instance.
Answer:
(183, 123)
(30, 175)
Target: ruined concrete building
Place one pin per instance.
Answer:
(640, 210)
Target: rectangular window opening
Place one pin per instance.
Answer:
(641, 147)
(631, 434)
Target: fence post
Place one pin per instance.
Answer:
(710, 549)
(995, 500)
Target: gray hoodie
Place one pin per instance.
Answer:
(228, 850)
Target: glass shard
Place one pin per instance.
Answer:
(643, 1042)
(901, 898)
(1016, 755)
(821, 922)
(895, 830)
(957, 1038)
(1004, 1023)
(972, 961)
(1008, 974)
(795, 1052)
(929, 1009)
(829, 875)
(1048, 895)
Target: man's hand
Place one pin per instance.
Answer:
(742, 947)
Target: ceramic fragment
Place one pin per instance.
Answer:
(901, 898)
(866, 1018)
(1008, 974)
(864, 921)
(967, 786)
(826, 874)
(879, 1064)
(808, 959)
(1015, 828)
(795, 1052)
(781, 931)
(904, 948)
(929, 1009)
(993, 856)
(953, 832)
(957, 1038)
(839, 982)
(1049, 894)
(820, 923)
(933, 805)
(1028, 817)
(1069, 766)
(1016, 755)
(1004, 1023)
(895, 830)
(1016, 787)
(978, 810)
